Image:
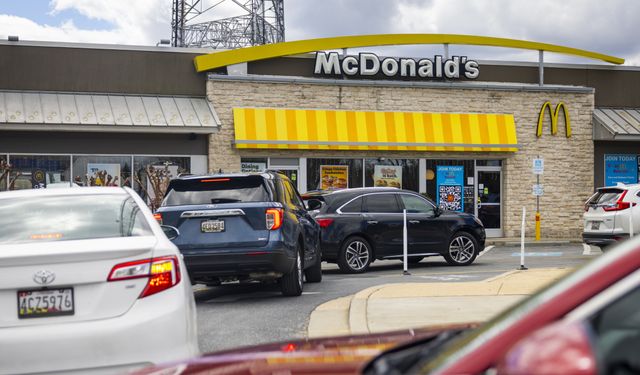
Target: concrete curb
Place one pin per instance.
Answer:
(358, 309)
(530, 242)
(367, 310)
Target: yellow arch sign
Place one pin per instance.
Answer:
(554, 119)
(219, 59)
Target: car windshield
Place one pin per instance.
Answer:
(216, 190)
(70, 217)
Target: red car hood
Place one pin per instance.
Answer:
(331, 355)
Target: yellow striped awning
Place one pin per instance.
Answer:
(307, 129)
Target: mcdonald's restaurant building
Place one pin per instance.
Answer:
(465, 133)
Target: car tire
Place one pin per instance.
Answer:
(313, 274)
(462, 250)
(291, 282)
(414, 260)
(355, 256)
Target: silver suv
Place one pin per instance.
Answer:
(610, 213)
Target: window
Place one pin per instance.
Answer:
(291, 196)
(39, 171)
(102, 170)
(216, 190)
(4, 172)
(65, 218)
(355, 206)
(468, 180)
(400, 173)
(353, 172)
(416, 205)
(152, 175)
(381, 203)
(617, 334)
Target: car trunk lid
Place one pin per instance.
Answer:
(602, 210)
(70, 273)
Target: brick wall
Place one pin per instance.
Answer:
(568, 175)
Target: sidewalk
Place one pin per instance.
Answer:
(530, 241)
(410, 305)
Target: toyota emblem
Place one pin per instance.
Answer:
(44, 277)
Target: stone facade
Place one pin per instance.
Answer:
(568, 175)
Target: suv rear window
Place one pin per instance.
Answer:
(216, 190)
(66, 218)
(604, 197)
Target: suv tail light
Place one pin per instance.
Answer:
(324, 222)
(274, 218)
(158, 217)
(619, 205)
(163, 273)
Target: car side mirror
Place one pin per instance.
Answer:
(170, 232)
(437, 211)
(314, 204)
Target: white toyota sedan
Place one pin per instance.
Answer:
(89, 283)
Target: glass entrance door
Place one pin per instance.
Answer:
(489, 199)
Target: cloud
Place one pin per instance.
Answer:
(606, 27)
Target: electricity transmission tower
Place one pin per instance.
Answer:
(259, 22)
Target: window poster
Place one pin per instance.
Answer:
(334, 177)
(103, 174)
(620, 168)
(249, 167)
(449, 182)
(387, 176)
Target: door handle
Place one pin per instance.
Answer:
(414, 221)
(372, 222)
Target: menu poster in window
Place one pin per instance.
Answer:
(449, 182)
(387, 176)
(620, 168)
(102, 174)
(250, 167)
(334, 177)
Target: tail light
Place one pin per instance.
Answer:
(324, 222)
(163, 273)
(158, 217)
(619, 205)
(274, 218)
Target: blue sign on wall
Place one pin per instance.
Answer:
(620, 168)
(449, 183)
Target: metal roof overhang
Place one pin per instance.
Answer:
(616, 124)
(93, 112)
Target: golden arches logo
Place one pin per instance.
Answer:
(553, 117)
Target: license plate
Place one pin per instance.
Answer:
(45, 302)
(212, 226)
(595, 225)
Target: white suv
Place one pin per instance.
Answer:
(609, 214)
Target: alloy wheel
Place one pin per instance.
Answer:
(461, 249)
(357, 255)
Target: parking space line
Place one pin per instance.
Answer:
(486, 250)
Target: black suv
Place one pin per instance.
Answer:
(360, 225)
(243, 227)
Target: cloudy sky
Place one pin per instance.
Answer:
(608, 27)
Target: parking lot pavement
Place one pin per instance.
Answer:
(237, 315)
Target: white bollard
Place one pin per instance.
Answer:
(405, 245)
(522, 229)
(631, 220)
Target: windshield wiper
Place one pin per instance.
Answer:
(400, 360)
